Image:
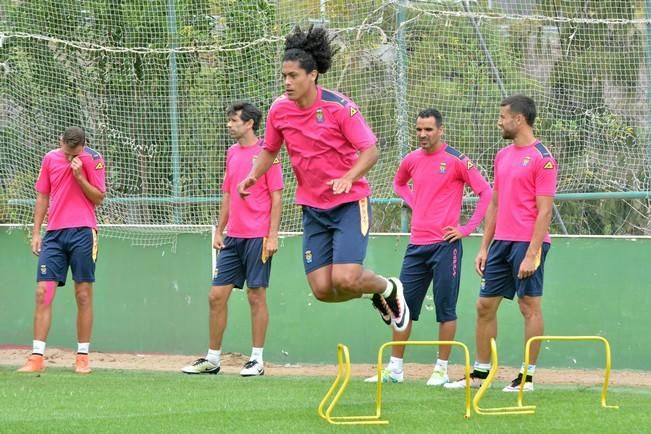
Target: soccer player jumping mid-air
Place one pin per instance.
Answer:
(331, 148)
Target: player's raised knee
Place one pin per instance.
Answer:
(346, 280)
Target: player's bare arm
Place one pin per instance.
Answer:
(218, 239)
(262, 164)
(489, 232)
(544, 218)
(367, 159)
(42, 203)
(274, 224)
(90, 191)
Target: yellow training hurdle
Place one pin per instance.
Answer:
(335, 391)
(531, 409)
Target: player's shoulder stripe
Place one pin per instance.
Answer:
(544, 152)
(93, 153)
(455, 152)
(330, 96)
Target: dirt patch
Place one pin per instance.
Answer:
(232, 363)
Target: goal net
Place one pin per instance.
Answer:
(149, 82)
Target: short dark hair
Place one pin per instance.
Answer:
(311, 48)
(247, 112)
(432, 113)
(521, 104)
(74, 137)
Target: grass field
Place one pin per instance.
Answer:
(137, 401)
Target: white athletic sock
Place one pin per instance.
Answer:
(482, 366)
(395, 364)
(442, 363)
(256, 354)
(530, 371)
(389, 289)
(38, 347)
(213, 356)
(83, 347)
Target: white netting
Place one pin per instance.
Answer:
(149, 81)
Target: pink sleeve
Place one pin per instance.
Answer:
(274, 177)
(226, 185)
(273, 138)
(355, 128)
(43, 181)
(400, 182)
(546, 173)
(495, 178)
(480, 186)
(96, 173)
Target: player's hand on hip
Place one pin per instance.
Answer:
(527, 267)
(271, 245)
(340, 185)
(36, 244)
(480, 262)
(218, 241)
(451, 234)
(76, 165)
(243, 187)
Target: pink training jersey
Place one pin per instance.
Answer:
(69, 207)
(521, 174)
(249, 218)
(438, 180)
(323, 142)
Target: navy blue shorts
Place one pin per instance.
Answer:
(336, 235)
(241, 260)
(71, 247)
(439, 263)
(501, 271)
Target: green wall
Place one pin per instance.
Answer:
(154, 299)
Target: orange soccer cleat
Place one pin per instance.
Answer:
(82, 365)
(35, 363)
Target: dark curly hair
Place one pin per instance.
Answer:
(310, 48)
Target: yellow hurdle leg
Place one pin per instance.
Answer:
(496, 411)
(527, 353)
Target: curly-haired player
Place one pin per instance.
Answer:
(331, 148)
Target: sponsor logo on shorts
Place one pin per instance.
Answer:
(308, 256)
(43, 269)
(482, 285)
(454, 262)
(215, 272)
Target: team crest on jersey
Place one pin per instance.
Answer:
(43, 269)
(319, 116)
(525, 161)
(99, 166)
(308, 256)
(443, 167)
(548, 165)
